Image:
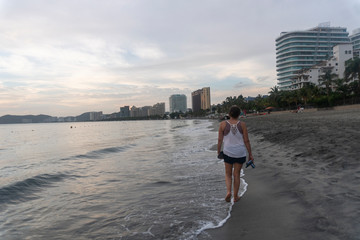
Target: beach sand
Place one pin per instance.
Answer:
(306, 184)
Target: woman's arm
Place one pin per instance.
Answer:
(220, 137)
(246, 140)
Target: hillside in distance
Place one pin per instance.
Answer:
(25, 119)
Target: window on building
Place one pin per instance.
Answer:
(336, 69)
(349, 51)
(345, 52)
(336, 64)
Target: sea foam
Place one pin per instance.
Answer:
(211, 225)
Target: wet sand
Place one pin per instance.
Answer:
(307, 181)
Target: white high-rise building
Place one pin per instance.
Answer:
(178, 103)
(355, 40)
(297, 50)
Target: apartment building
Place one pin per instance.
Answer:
(297, 50)
(336, 64)
(201, 99)
(178, 103)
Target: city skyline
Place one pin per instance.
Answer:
(64, 57)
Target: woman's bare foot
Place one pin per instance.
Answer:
(228, 197)
(236, 198)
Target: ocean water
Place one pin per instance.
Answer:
(111, 180)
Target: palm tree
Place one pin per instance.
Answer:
(327, 79)
(240, 101)
(274, 90)
(352, 69)
(355, 88)
(295, 97)
(342, 88)
(229, 101)
(259, 102)
(286, 96)
(305, 94)
(275, 95)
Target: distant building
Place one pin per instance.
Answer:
(144, 111)
(355, 40)
(69, 119)
(95, 116)
(302, 49)
(249, 99)
(205, 98)
(336, 64)
(125, 112)
(201, 99)
(51, 119)
(177, 103)
(88, 116)
(196, 100)
(157, 110)
(134, 112)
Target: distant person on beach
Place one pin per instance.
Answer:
(299, 109)
(233, 134)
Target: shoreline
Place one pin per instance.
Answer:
(306, 182)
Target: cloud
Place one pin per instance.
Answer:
(67, 57)
(151, 53)
(239, 85)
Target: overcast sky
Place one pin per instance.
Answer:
(66, 57)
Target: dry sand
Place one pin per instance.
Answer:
(307, 181)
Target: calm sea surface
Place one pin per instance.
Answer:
(110, 180)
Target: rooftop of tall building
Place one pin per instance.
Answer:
(356, 31)
(321, 26)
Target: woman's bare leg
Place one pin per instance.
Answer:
(228, 180)
(237, 169)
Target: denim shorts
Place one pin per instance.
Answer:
(232, 160)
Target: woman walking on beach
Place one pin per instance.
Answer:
(233, 134)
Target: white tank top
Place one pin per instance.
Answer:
(234, 142)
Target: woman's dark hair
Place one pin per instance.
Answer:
(234, 112)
